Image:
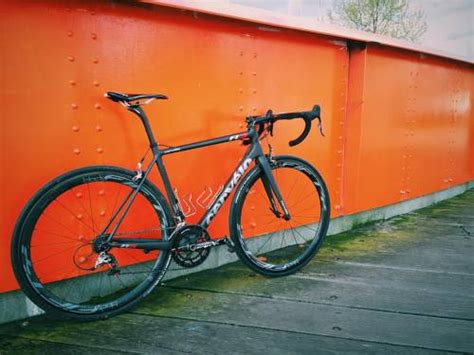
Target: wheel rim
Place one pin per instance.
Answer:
(271, 242)
(57, 248)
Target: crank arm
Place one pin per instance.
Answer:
(204, 245)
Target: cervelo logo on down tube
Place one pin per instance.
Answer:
(228, 189)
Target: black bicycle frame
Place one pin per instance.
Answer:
(253, 153)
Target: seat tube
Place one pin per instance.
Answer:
(169, 190)
(140, 113)
(179, 216)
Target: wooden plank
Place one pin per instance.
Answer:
(332, 290)
(394, 276)
(302, 317)
(17, 345)
(148, 334)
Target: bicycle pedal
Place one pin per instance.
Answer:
(230, 245)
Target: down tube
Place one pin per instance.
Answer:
(253, 152)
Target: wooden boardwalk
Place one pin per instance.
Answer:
(403, 285)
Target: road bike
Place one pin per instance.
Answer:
(94, 241)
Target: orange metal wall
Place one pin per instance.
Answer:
(393, 121)
(409, 126)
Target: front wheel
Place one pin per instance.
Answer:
(266, 241)
(54, 256)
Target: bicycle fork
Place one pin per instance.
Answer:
(272, 190)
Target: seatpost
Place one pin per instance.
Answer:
(136, 109)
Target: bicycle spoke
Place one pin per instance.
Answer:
(61, 262)
(50, 256)
(74, 215)
(293, 241)
(55, 234)
(90, 208)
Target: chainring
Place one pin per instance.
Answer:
(184, 251)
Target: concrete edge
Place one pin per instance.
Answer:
(15, 305)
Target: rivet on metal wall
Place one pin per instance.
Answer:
(254, 91)
(97, 106)
(72, 83)
(101, 192)
(241, 90)
(95, 61)
(94, 36)
(102, 213)
(98, 128)
(80, 237)
(79, 195)
(74, 106)
(76, 151)
(241, 108)
(100, 150)
(71, 58)
(79, 216)
(96, 83)
(70, 33)
(75, 128)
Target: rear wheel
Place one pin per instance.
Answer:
(264, 240)
(53, 252)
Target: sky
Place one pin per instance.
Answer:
(450, 22)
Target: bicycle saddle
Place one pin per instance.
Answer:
(117, 97)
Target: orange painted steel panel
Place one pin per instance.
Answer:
(414, 123)
(58, 59)
(352, 131)
(398, 125)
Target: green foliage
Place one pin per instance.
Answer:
(394, 18)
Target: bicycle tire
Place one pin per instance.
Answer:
(49, 220)
(266, 242)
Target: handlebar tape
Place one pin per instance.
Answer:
(307, 116)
